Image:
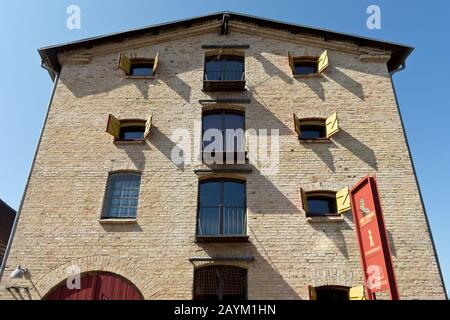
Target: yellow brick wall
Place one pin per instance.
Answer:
(59, 223)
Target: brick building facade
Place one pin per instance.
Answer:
(282, 250)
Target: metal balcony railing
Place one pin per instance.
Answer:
(222, 221)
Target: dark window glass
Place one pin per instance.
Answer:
(309, 132)
(141, 69)
(321, 204)
(224, 68)
(122, 195)
(332, 294)
(231, 125)
(132, 132)
(222, 208)
(305, 67)
(220, 283)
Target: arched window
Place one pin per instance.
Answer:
(305, 66)
(96, 286)
(122, 196)
(319, 203)
(229, 127)
(220, 283)
(312, 129)
(132, 130)
(222, 208)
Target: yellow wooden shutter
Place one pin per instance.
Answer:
(357, 293)
(124, 64)
(155, 63)
(148, 126)
(291, 62)
(343, 200)
(332, 125)
(322, 62)
(312, 293)
(297, 125)
(304, 200)
(113, 126)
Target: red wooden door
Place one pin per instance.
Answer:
(98, 286)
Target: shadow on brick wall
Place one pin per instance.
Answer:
(136, 153)
(81, 86)
(174, 82)
(265, 281)
(334, 231)
(345, 81)
(259, 112)
(164, 145)
(358, 148)
(324, 152)
(275, 201)
(272, 70)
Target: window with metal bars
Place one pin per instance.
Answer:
(220, 283)
(122, 196)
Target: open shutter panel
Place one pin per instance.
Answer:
(124, 64)
(148, 126)
(304, 200)
(291, 62)
(357, 293)
(312, 293)
(332, 125)
(322, 62)
(113, 126)
(343, 200)
(155, 63)
(297, 125)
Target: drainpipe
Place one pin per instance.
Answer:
(13, 230)
(401, 68)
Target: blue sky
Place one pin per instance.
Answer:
(423, 89)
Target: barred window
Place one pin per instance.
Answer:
(122, 196)
(220, 283)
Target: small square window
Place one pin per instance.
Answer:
(312, 129)
(132, 132)
(305, 67)
(141, 69)
(319, 203)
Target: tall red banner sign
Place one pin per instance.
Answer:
(372, 238)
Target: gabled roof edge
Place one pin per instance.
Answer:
(400, 52)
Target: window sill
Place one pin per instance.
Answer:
(233, 238)
(333, 218)
(117, 221)
(140, 77)
(137, 141)
(307, 76)
(321, 140)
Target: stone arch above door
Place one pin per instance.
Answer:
(97, 286)
(125, 268)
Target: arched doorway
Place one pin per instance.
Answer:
(97, 286)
